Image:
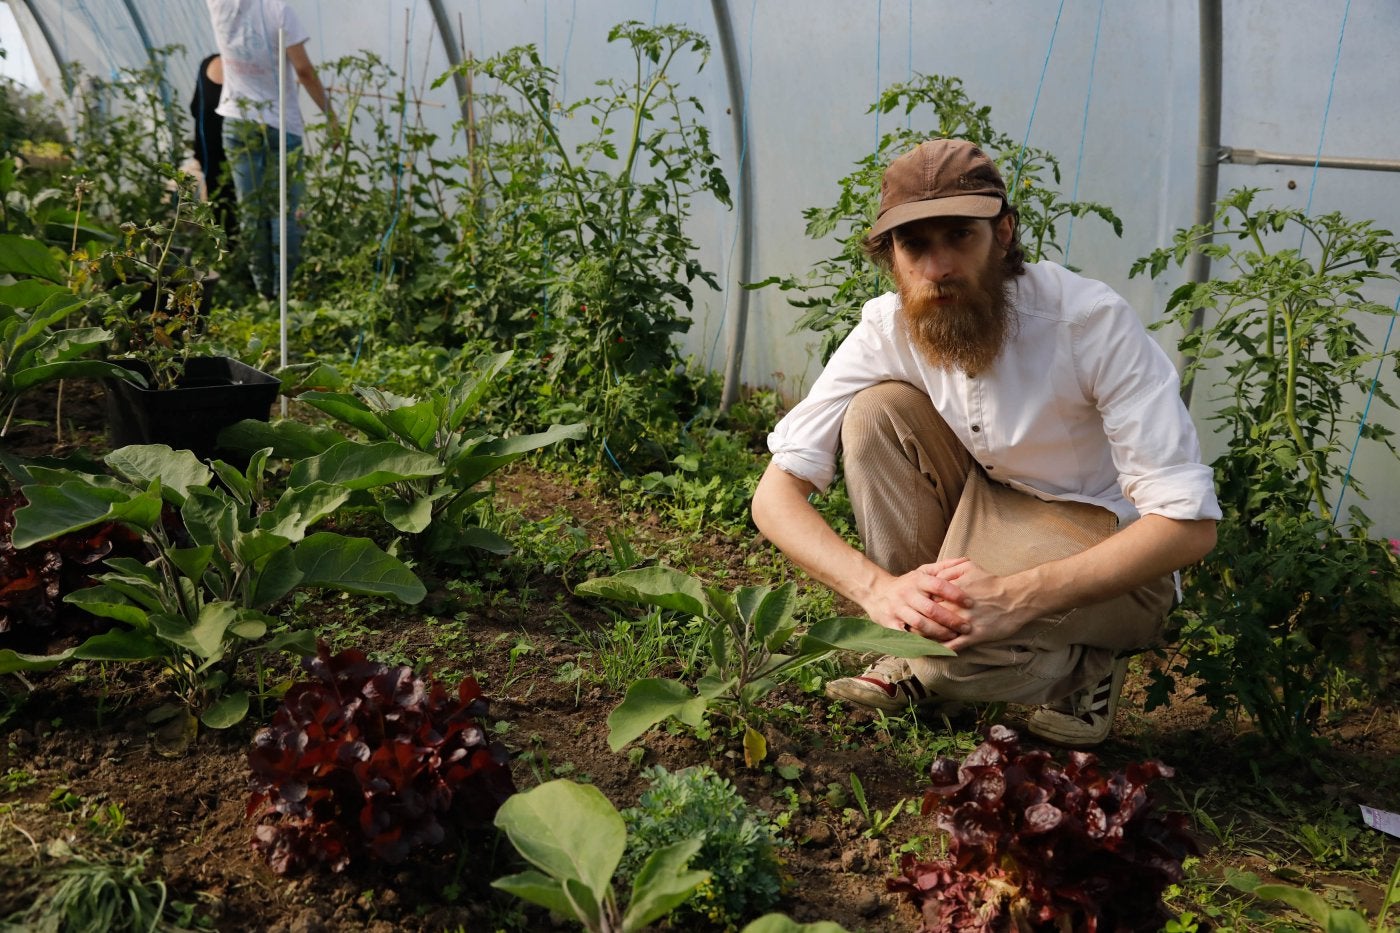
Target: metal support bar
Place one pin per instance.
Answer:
(63, 71)
(1207, 159)
(1238, 156)
(734, 352)
(454, 58)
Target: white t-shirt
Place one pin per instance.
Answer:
(1081, 404)
(246, 31)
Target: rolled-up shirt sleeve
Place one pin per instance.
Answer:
(1151, 436)
(807, 440)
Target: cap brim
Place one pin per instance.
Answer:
(963, 205)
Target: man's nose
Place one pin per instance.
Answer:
(935, 264)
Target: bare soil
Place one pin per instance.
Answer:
(76, 740)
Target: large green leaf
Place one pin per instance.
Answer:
(121, 645)
(414, 516)
(275, 579)
(290, 440)
(470, 391)
(210, 517)
(859, 634)
(29, 293)
(349, 409)
(1331, 919)
(70, 506)
(228, 710)
(73, 342)
(116, 645)
(12, 661)
(417, 423)
(782, 923)
(25, 256)
(364, 466)
(538, 889)
(177, 470)
(71, 369)
(486, 458)
(652, 586)
(662, 883)
(356, 565)
(648, 702)
(301, 507)
(205, 638)
(569, 831)
(107, 603)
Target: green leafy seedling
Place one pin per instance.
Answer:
(575, 838)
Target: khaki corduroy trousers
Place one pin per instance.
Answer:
(919, 497)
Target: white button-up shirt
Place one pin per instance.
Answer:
(1081, 404)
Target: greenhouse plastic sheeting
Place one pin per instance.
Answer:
(1111, 88)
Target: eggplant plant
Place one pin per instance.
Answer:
(34, 347)
(420, 456)
(748, 631)
(576, 839)
(218, 561)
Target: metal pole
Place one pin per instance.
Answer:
(63, 71)
(1207, 159)
(282, 198)
(1238, 156)
(734, 353)
(454, 58)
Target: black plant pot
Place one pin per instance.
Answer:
(214, 392)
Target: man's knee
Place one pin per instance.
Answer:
(871, 416)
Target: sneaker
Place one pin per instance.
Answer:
(1085, 717)
(888, 684)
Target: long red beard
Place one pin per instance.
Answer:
(968, 332)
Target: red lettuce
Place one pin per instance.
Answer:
(1037, 846)
(33, 581)
(364, 760)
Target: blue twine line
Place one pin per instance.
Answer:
(879, 19)
(1327, 108)
(909, 114)
(1083, 130)
(1366, 411)
(1020, 156)
(564, 64)
(743, 156)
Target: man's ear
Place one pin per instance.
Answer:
(1005, 229)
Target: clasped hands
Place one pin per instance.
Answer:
(952, 601)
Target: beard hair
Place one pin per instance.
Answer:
(967, 333)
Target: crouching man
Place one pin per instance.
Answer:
(1024, 475)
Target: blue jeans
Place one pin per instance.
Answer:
(251, 150)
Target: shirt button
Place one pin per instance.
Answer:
(976, 428)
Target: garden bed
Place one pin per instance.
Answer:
(81, 768)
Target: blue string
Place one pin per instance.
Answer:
(879, 18)
(1327, 108)
(1020, 156)
(743, 156)
(564, 65)
(1366, 412)
(1083, 130)
(909, 114)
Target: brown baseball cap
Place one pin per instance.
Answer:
(939, 178)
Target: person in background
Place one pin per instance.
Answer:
(247, 35)
(209, 143)
(1024, 475)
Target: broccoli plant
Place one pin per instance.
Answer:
(737, 844)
